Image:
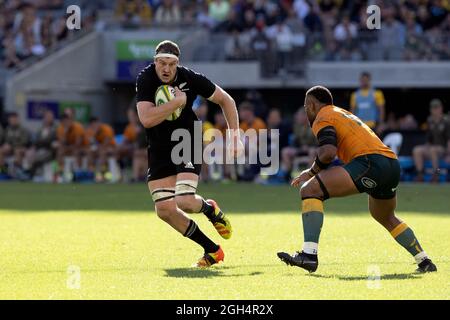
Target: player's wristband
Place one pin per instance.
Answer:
(320, 164)
(312, 172)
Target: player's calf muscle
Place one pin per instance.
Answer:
(188, 203)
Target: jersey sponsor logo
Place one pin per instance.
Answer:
(368, 183)
(189, 165)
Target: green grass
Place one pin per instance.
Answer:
(125, 252)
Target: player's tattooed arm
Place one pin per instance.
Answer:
(151, 116)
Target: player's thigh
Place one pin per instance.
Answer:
(163, 192)
(382, 207)
(186, 188)
(382, 210)
(335, 182)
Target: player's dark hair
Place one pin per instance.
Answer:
(322, 94)
(168, 46)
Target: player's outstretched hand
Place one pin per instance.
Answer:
(302, 178)
(180, 96)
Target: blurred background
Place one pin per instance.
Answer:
(67, 97)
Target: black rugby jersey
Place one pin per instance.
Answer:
(189, 81)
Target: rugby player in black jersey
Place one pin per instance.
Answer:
(173, 186)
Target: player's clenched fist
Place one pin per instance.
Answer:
(180, 97)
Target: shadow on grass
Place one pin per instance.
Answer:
(393, 276)
(206, 273)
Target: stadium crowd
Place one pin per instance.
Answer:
(66, 150)
(32, 28)
(288, 31)
(281, 34)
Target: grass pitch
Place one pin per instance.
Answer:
(111, 235)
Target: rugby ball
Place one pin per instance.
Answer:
(163, 95)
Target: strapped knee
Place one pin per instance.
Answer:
(324, 190)
(162, 194)
(185, 187)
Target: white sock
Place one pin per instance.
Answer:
(420, 257)
(310, 247)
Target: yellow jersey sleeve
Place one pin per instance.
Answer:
(323, 119)
(353, 100)
(379, 97)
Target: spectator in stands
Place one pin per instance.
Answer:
(133, 13)
(275, 121)
(46, 33)
(220, 172)
(72, 142)
(414, 44)
(301, 8)
(16, 141)
(102, 147)
(345, 32)
(256, 99)
(219, 10)
(302, 147)
(282, 36)
(408, 122)
(168, 13)
(133, 148)
(438, 139)
(140, 163)
(248, 118)
(368, 103)
(43, 149)
(130, 134)
(27, 25)
(251, 125)
(312, 19)
(60, 31)
(392, 36)
(220, 123)
(298, 38)
(201, 110)
(11, 60)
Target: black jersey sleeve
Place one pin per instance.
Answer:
(202, 85)
(144, 91)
